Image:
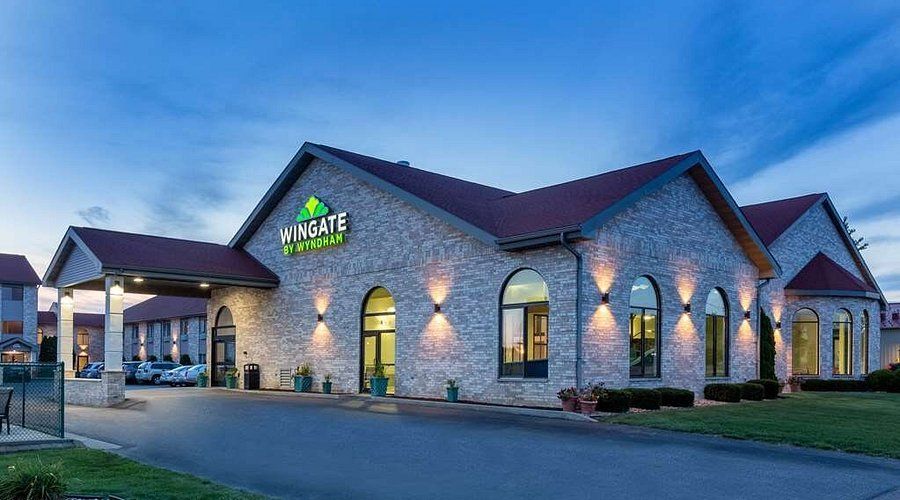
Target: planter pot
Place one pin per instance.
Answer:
(587, 407)
(570, 404)
(202, 381)
(302, 384)
(378, 385)
(230, 382)
(453, 394)
(326, 387)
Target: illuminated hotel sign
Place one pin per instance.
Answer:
(317, 227)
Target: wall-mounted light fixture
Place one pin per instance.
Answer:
(142, 343)
(778, 325)
(138, 279)
(604, 298)
(320, 317)
(204, 285)
(174, 342)
(437, 307)
(746, 314)
(687, 307)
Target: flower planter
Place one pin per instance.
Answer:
(302, 383)
(202, 380)
(230, 382)
(378, 386)
(587, 407)
(570, 404)
(453, 394)
(326, 387)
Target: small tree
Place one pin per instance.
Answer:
(185, 360)
(167, 357)
(47, 354)
(860, 243)
(766, 348)
(152, 357)
(135, 358)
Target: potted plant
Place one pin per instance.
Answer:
(326, 385)
(569, 398)
(378, 382)
(452, 391)
(202, 380)
(231, 376)
(303, 378)
(587, 401)
(794, 382)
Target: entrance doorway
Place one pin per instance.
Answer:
(223, 347)
(379, 338)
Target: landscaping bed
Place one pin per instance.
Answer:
(853, 422)
(93, 472)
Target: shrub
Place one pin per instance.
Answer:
(833, 385)
(152, 357)
(167, 357)
(671, 396)
(614, 401)
(47, 353)
(185, 359)
(752, 392)
(646, 399)
(33, 481)
(135, 358)
(881, 380)
(772, 387)
(730, 393)
(766, 348)
(894, 367)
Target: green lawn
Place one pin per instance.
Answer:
(856, 422)
(99, 472)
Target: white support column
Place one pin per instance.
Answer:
(115, 298)
(65, 329)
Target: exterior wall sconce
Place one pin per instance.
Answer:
(746, 314)
(320, 317)
(142, 343)
(174, 342)
(687, 307)
(778, 325)
(437, 308)
(604, 298)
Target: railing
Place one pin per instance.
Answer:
(37, 404)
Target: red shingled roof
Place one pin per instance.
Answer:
(503, 213)
(821, 274)
(116, 249)
(80, 319)
(163, 307)
(771, 219)
(16, 269)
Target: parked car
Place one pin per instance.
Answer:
(92, 370)
(189, 376)
(150, 372)
(171, 376)
(130, 368)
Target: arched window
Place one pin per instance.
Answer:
(524, 326)
(379, 337)
(864, 342)
(40, 335)
(716, 334)
(223, 346)
(805, 343)
(842, 342)
(643, 352)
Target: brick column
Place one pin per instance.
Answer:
(115, 297)
(65, 326)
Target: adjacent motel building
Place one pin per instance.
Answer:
(645, 276)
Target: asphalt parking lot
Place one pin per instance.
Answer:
(296, 447)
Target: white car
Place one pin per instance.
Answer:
(171, 376)
(151, 372)
(189, 376)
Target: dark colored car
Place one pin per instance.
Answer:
(92, 370)
(130, 367)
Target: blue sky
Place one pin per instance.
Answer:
(173, 118)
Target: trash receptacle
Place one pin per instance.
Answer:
(251, 376)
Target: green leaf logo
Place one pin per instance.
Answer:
(313, 208)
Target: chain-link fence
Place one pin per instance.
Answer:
(32, 401)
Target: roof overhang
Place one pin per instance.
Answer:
(832, 293)
(17, 344)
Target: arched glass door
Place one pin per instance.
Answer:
(379, 337)
(223, 346)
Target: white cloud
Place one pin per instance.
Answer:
(860, 169)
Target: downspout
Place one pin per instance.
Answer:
(759, 312)
(578, 346)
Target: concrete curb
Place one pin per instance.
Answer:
(50, 444)
(509, 410)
